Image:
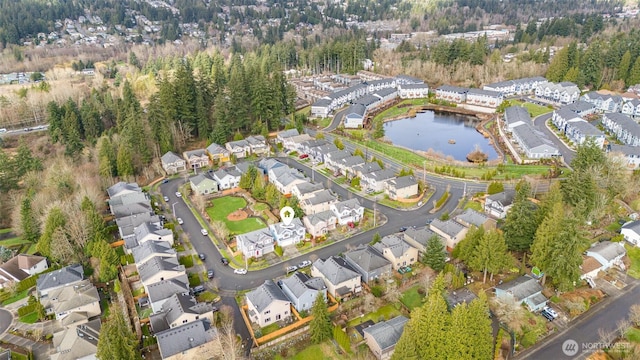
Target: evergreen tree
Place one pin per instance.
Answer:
(117, 341)
(479, 340)
(559, 66)
(491, 255)
(248, 178)
(434, 254)
(55, 219)
(320, 325)
(546, 234)
(634, 73)
(465, 248)
(521, 223)
(623, 66)
(54, 114)
(107, 158)
(25, 161)
(28, 221)
(124, 161)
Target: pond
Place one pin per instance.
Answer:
(438, 131)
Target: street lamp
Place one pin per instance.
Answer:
(173, 207)
(424, 172)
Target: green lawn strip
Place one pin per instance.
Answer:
(18, 356)
(260, 207)
(30, 318)
(14, 242)
(17, 297)
(396, 111)
(634, 255)
(194, 279)
(324, 122)
(473, 205)
(269, 329)
(396, 204)
(411, 298)
(187, 261)
(388, 311)
(104, 305)
(633, 335)
(313, 352)
(224, 206)
(4, 231)
(534, 109)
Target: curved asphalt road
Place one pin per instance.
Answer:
(6, 318)
(540, 122)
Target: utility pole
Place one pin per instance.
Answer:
(173, 207)
(424, 172)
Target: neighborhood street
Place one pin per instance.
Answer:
(540, 123)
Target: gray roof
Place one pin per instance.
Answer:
(268, 164)
(459, 296)
(587, 129)
(72, 296)
(242, 167)
(625, 122)
(149, 228)
(335, 269)
(152, 247)
(387, 333)
(288, 133)
(256, 237)
(514, 114)
(579, 106)
(393, 243)
(367, 258)
(224, 172)
(352, 161)
(448, 227)
(322, 102)
(321, 216)
(368, 167)
(214, 148)
(299, 283)
(122, 187)
(384, 174)
(627, 150)
(532, 138)
(265, 294)
(455, 89)
(567, 114)
(182, 338)
(325, 149)
(367, 100)
(404, 181)
(130, 198)
(608, 250)
(632, 225)
(338, 154)
(307, 187)
(350, 204)
(196, 180)
(256, 140)
(170, 157)
(127, 224)
(522, 287)
(175, 306)
(165, 288)
(76, 341)
(320, 197)
(357, 109)
(409, 79)
(422, 235)
(286, 175)
(471, 216)
(505, 197)
(60, 277)
(196, 152)
(131, 209)
(385, 92)
(279, 228)
(238, 144)
(484, 92)
(413, 86)
(157, 264)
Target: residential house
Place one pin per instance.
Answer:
(302, 290)
(450, 230)
(403, 79)
(533, 143)
(152, 248)
(287, 235)
(284, 178)
(581, 108)
(196, 159)
(452, 93)
(354, 117)
(631, 107)
(402, 187)
(558, 93)
(332, 159)
(497, 205)
(267, 164)
(366, 168)
(471, 217)
(349, 165)
(147, 231)
(78, 340)
(348, 211)
(629, 154)
(515, 87)
(376, 180)
(173, 163)
(122, 210)
(580, 131)
(21, 267)
(243, 167)
(317, 154)
(69, 275)
(162, 290)
(321, 108)
(419, 237)
(80, 297)
(285, 134)
(368, 262)
(240, 148)
(631, 232)
(601, 257)
(267, 304)
(341, 279)
(603, 102)
(298, 142)
(256, 243)
(561, 117)
(227, 178)
(398, 252)
(460, 296)
(180, 309)
(383, 336)
(159, 268)
(623, 127)
(203, 185)
(319, 202)
(258, 144)
(218, 153)
(413, 91)
(321, 223)
(122, 188)
(486, 98)
(126, 225)
(306, 190)
(187, 341)
(524, 289)
(515, 116)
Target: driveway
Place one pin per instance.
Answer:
(540, 123)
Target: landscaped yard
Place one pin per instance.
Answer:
(30, 318)
(473, 205)
(411, 298)
(18, 296)
(633, 335)
(397, 111)
(269, 329)
(534, 109)
(4, 231)
(388, 311)
(260, 207)
(224, 206)
(634, 255)
(323, 351)
(16, 241)
(396, 204)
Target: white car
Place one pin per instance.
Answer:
(204, 232)
(180, 221)
(240, 271)
(178, 194)
(551, 312)
(166, 198)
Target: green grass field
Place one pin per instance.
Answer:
(388, 311)
(16, 241)
(633, 335)
(534, 109)
(323, 351)
(260, 207)
(4, 231)
(411, 298)
(634, 255)
(224, 206)
(397, 111)
(30, 318)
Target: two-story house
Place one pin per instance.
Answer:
(368, 262)
(75, 340)
(376, 180)
(383, 336)
(69, 275)
(340, 278)
(450, 230)
(151, 249)
(470, 217)
(239, 148)
(161, 291)
(80, 297)
(418, 237)
(321, 223)
(188, 341)
(497, 205)
(159, 268)
(218, 154)
(402, 187)
(286, 235)
(284, 178)
(302, 290)
(227, 178)
(256, 243)
(257, 144)
(285, 134)
(267, 304)
(306, 190)
(332, 159)
(147, 231)
(348, 211)
(180, 309)
(196, 159)
(203, 185)
(398, 252)
(319, 202)
(173, 163)
(524, 289)
(21, 267)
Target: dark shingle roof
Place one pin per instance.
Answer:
(185, 337)
(66, 275)
(387, 333)
(367, 258)
(265, 294)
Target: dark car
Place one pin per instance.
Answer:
(202, 256)
(224, 261)
(403, 229)
(198, 290)
(165, 181)
(210, 274)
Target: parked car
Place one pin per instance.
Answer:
(198, 290)
(204, 232)
(165, 198)
(369, 191)
(291, 269)
(165, 181)
(240, 271)
(550, 311)
(547, 315)
(304, 156)
(3, 130)
(224, 261)
(304, 264)
(178, 194)
(210, 274)
(202, 256)
(402, 229)
(180, 222)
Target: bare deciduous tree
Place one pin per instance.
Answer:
(634, 314)
(61, 247)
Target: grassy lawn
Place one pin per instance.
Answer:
(18, 296)
(473, 205)
(411, 298)
(139, 291)
(224, 206)
(634, 255)
(534, 109)
(18, 356)
(633, 335)
(30, 318)
(260, 207)
(269, 329)
(143, 314)
(104, 305)
(187, 261)
(194, 279)
(388, 311)
(14, 242)
(323, 351)
(397, 111)
(396, 204)
(4, 231)
(324, 122)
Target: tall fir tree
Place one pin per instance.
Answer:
(434, 254)
(28, 222)
(117, 341)
(521, 223)
(320, 325)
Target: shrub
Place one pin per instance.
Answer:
(495, 187)
(442, 200)
(187, 261)
(278, 250)
(377, 291)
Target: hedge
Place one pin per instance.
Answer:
(342, 339)
(28, 309)
(442, 200)
(27, 283)
(278, 250)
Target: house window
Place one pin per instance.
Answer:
(286, 312)
(267, 312)
(184, 321)
(267, 320)
(278, 317)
